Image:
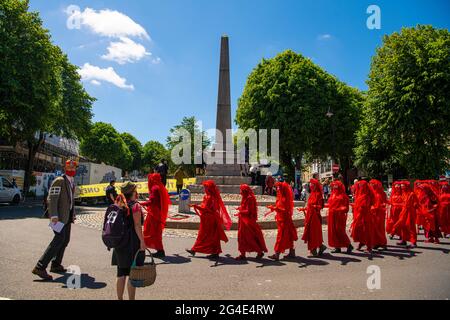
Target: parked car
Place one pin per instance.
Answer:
(8, 192)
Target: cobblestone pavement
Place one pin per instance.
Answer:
(94, 219)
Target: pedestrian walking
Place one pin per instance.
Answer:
(111, 192)
(163, 169)
(123, 257)
(179, 179)
(61, 212)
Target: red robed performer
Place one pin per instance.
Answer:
(312, 234)
(444, 208)
(378, 211)
(396, 206)
(284, 208)
(157, 209)
(428, 211)
(406, 223)
(250, 236)
(338, 206)
(214, 218)
(363, 225)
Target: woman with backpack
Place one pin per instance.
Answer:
(123, 256)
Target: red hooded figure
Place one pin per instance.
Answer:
(444, 208)
(362, 228)
(406, 223)
(312, 234)
(214, 218)
(428, 211)
(396, 206)
(378, 211)
(338, 206)
(157, 209)
(250, 236)
(284, 208)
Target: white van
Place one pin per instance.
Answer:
(8, 192)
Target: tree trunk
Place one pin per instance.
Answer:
(33, 148)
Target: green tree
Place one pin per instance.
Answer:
(292, 94)
(406, 117)
(136, 150)
(40, 91)
(104, 144)
(190, 125)
(153, 153)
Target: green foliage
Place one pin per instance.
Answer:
(190, 125)
(153, 153)
(40, 90)
(406, 118)
(136, 150)
(104, 144)
(292, 94)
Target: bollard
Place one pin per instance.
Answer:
(184, 201)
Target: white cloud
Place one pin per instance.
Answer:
(96, 75)
(108, 23)
(125, 51)
(324, 37)
(96, 82)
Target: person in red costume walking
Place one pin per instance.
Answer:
(338, 206)
(406, 223)
(312, 234)
(157, 210)
(396, 207)
(378, 211)
(362, 228)
(287, 233)
(428, 211)
(214, 218)
(444, 208)
(250, 236)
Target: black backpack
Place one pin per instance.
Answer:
(116, 228)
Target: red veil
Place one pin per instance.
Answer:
(154, 180)
(247, 194)
(212, 190)
(285, 198)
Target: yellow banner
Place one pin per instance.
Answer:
(99, 190)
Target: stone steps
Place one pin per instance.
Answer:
(234, 189)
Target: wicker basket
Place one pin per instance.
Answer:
(143, 276)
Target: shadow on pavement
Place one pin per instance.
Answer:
(86, 281)
(342, 259)
(175, 259)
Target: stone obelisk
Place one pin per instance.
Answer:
(223, 120)
(226, 175)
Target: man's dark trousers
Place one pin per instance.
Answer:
(56, 248)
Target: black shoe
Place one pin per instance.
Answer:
(213, 256)
(337, 250)
(322, 249)
(42, 273)
(159, 254)
(314, 253)
(350, 248)
(260, 255)
(382, 248)
(191, 252)
(275, 257)
(57, 269)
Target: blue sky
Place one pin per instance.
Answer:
(164, 55)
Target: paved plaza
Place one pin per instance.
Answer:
(23, 237)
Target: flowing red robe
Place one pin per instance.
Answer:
(312, 234)
(396, 202)
(362, 228)
(428, 211)
(444, 208)
(157, 210)
(211, 230)
(378, 211)
(250, 236)
(338, 206)
(284, 208)
(406, 223)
